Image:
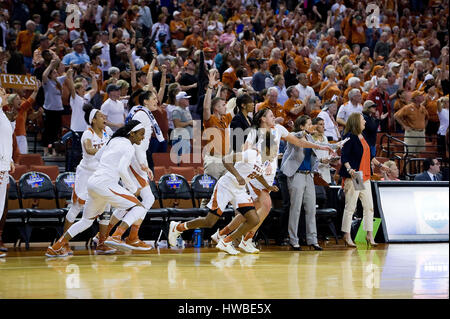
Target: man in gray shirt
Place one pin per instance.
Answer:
(182, 121)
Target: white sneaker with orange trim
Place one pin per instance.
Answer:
(217, 237)
(2, 254)
(137, 244)
(102, 249)
(173, 233)
(227, 247)
(248, 246)
(56, 253)
(116, 242)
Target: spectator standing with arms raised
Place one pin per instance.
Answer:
(53, 106)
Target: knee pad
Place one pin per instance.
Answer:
(73, 212)
(147, 197)
(80, 226)
(136, 213)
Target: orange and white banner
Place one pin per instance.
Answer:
(18, 81)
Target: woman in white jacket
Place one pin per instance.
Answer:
(103, 189)
(6, 161)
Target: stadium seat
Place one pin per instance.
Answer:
(64, 184)
(186, 172)
(51, 170)
(162, 159)
(176, 187)
(158, 172)
(156, 217)
(19, 171)
(38, 186)
(30, 159)
(202, 186)
(16, 218)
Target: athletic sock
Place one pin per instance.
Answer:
(228, 239)
(134, 232)
(182, 227)
(119, 231)
(225, 231)
(60, 243)
(249, 235)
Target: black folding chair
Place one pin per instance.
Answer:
(38, 186)
(174, 186)
(16, 218)
(64, 184)
(159, 215)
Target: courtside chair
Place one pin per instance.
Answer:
(202, 186)
(176, 187)
(64, 184)
(45, 213)
(16, 218)
(157, 215)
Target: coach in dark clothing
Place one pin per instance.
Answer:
(241, 121)
(431, 172)
(371, 128)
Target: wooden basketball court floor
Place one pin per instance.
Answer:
(389, 271)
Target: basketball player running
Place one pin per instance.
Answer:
(232, 188)
(92, 140)
(103, 189)
(139, 170)
(264, 121)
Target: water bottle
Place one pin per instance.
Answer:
(197, 238)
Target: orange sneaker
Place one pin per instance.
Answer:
(117, 243)
(137, 244)
(67, 248)
(102, 249)
(56, 253)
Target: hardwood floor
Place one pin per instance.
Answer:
(388, 271)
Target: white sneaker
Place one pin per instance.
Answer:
(2, 254)
(227, 247)
(248, 246)
(216, 237)
(173, 233)
(96, 238)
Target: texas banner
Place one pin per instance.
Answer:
(18, 81)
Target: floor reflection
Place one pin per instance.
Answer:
(389, 271)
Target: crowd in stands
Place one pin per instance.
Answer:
(323, 58)
(213, 64)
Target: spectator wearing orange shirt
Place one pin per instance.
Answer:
(229, 77)
(329, 88)
(358, 30)
(271, 103)
(302, 60)
(194, 39)
(293, 107)
(315, 76)
(217, 122)
(275, 58)
(431, 98)
(24, 42)
(22, 108)
(177, 29)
